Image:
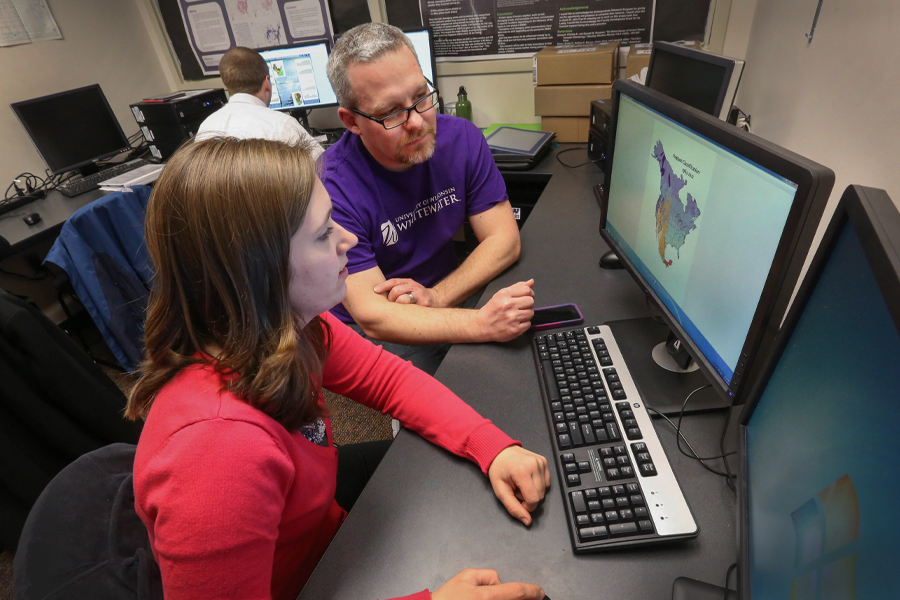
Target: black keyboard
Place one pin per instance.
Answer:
(81, 185)
(618, 486)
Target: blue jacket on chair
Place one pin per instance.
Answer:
(101, 248)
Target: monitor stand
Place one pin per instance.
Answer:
(663, 388)
(302, 115)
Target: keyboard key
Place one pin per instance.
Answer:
(648, 470)
(559, 417)
(631, 488)
(613, 474)
(636, 500)
(611, 516)
(573, 480)
(625, 514)
(633, 433)
(622, 501)
(584, 466)
(627, 471)
(619, 395)
(594, 506)
(571, 468)
(591, 494)
(568, 457)
(608, 503)
(622, 528)
(645, 526)
(640, 512)
(609, 462)
(605, 492)
(623, 460)
(565, 441)
(612, 430)
(643, 457)
(578, 504)
(575, 434)
(562, 428)
(597, 519)
(618, 490)
(582, 520)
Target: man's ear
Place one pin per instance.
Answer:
(266, 86)
(348, 118)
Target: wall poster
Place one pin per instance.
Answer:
(214, 26)
(469, 28)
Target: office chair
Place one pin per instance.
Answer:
(101, 248)
(55, 405)
(83, 538)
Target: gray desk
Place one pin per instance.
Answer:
(426, 515)
(55, 209)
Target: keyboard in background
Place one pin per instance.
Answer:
(618, 487)
(81, 185)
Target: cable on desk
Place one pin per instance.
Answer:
(561, 152)
(694, 455)
(728, 577)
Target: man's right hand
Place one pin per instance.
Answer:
(508, 313)
(484, 584)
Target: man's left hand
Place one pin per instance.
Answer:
(399, 289)
(519, 478)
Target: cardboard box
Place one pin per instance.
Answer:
(574, 65)
(568, 129)
(568, 100)
(638, 59)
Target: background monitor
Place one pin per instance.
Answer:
(423, 42)
(298, 76)
(712, 222)
(72, 129)
(819, 447)
(706, 81)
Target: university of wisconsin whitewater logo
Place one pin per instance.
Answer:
(389, 233)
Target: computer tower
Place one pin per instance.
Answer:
(167, 121)
(598, 134)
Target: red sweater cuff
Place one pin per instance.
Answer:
(423, 595)
(485, 443)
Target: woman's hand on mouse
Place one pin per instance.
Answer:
(484, 584)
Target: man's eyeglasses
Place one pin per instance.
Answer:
(398, 118)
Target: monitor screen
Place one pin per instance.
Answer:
(72, 129)
(298, 77)
(822, 452)
(421, 41)
(699, 79)
(703, 228)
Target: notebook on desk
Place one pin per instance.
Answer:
(514, 148)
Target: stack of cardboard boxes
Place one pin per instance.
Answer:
(567, 80)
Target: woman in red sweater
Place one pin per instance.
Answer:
(236, 473)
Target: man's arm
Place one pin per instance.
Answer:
(498, 247)
(506, 316)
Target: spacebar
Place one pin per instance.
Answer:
(550, 380)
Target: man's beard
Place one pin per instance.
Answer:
(419, 155)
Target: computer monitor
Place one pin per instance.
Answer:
(706, 81)
(298, 77)
(423, 42)
(72, 129)
(713, 223)
(819, 448)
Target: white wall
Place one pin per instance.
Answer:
(833, 100)
(105, 42)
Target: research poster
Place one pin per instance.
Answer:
(214, 26)
(479, 28)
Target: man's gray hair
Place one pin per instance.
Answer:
(363, 44)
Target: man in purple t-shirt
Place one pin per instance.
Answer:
(403, 179)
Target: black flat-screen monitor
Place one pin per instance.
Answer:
(819, 447)
(72, 129)
(706, 81)
(298, 77)
(713, 223)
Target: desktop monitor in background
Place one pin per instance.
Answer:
(706, 81)
(298, 77)
(424, 44)
(714, 224)
(819, 447)
(72, 129)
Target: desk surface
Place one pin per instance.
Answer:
(55, 209)
(426, 515)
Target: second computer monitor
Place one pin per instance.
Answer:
(424, 44)
(706, 81)
(298, 77)
(712, 222)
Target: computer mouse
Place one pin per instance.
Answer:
(32, 219)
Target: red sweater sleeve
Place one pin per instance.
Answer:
(366, 373)
(216, 492)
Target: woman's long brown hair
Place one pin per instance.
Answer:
(218, 228)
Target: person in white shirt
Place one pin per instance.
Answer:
(247, 114)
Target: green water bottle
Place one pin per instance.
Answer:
(463, 106)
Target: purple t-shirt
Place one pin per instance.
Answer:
(405, 221)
